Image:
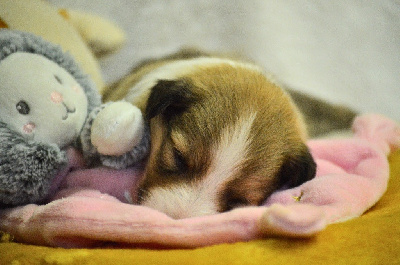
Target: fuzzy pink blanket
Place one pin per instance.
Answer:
(90, 208)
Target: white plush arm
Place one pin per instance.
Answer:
(116, 134)
(117, 129)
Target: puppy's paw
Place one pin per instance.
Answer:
(117, 129)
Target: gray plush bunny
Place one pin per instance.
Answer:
(48, 104)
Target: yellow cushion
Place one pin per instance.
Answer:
(374, 238)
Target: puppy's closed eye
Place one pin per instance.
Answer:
(179, 160)
(173, 161)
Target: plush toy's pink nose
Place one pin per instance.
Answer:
(29, 127)
(56, 97)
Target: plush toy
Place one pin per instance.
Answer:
(82, 35)
(47, 105)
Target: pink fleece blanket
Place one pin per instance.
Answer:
(90, 208)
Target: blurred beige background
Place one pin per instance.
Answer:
(345, 51)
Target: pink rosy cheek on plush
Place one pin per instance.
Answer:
(29, 127)
(56, 97)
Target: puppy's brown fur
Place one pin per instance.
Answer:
(215, 114)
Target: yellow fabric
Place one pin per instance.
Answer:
(374, 238)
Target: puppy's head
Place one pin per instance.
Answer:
(223, 136)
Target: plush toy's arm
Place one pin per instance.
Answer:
(26, 168)
(116, 135)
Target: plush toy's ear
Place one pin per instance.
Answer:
(102, 35)
(27, 168)
(297, 168)
(169, 97)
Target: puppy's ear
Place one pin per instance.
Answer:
(297, 168)
(169, 97)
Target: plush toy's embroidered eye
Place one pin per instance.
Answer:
(23, 107)
(58, 79)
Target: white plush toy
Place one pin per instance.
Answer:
(48, 104)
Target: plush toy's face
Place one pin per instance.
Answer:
(41, 100)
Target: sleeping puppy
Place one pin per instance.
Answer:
(222, 134)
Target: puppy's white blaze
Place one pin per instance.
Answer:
(231, 151)
(200, 198)
(177, 69)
